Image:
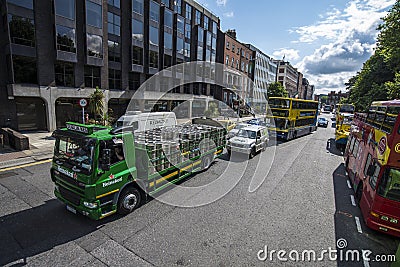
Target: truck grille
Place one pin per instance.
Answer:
(239, 145)
(69, 180)
(70, 196)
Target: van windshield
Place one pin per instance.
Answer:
(247, 134)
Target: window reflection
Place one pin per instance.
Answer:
(94, 45)
(22, 30)
(24, 69)
(137, 30)
(23, 3)
(153, 35)
(65, 39)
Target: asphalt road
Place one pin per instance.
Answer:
(302, 204)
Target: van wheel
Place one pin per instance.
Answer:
(252, 153)
(264, 146)
(129, 200)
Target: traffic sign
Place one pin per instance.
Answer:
(83, 102)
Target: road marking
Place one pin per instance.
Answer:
(25, 165)
(348, 184)
(358, 224)
(366, 263)
(353, 201)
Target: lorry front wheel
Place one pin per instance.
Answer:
(128, 200)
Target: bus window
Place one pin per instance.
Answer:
(390, 120)
(389, 186)
(367, 164)
(374, 178)
(371, 114)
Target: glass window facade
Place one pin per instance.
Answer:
(200, 35)
(209, 41)
(153, 59)
(94, 45)
(165, 2)
(187, 50)
(153, 35)
(206, 22)
(64, 74)
(168, 40)
(180, 25)
(137, 55)
(24, 3)
(179, 45)
(115, 3)
(94, 14)
(137, 6)
(167, 61)
(114, 24)
(65, 8)
(66, 39)
(137, 30)
(188, 13)
(92, 76)
(114, 51)
(178, 6)
(114, 79)
(168, 18)
(199, 53)
(24, 69)
(188, 30)
(198, 17)
(154, 11)
(22, 30)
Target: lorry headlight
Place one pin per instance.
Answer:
(90, 205)
(57, 188)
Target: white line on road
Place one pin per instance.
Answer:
(348, 184)
(366, 263)
(353, 201)
(358, 224)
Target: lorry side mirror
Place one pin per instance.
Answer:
(371, 170)
(106, 159)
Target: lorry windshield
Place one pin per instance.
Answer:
(389, 187)
(76, 154)
(247, 134)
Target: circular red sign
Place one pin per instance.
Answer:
(382, 145)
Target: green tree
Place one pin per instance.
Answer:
(324, 99)
(276, 89)
(378, 78)
(96, 104)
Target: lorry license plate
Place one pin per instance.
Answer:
(71, 209)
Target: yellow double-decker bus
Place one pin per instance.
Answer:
(289, 118)
(344, 116)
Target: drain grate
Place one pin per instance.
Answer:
(7, 174)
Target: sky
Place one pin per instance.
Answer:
(327, 40)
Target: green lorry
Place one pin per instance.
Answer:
(99, 171)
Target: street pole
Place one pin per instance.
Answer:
(83, 115)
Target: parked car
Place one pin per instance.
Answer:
(249, 140)
(236, 129)
(322, 122)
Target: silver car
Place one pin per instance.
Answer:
(249, 140)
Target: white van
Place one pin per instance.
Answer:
(146, 121)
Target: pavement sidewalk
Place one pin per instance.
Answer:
(41, 148)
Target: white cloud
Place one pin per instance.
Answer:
(289, 54)
(221, 2)
(229, 14)
(347, 39)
